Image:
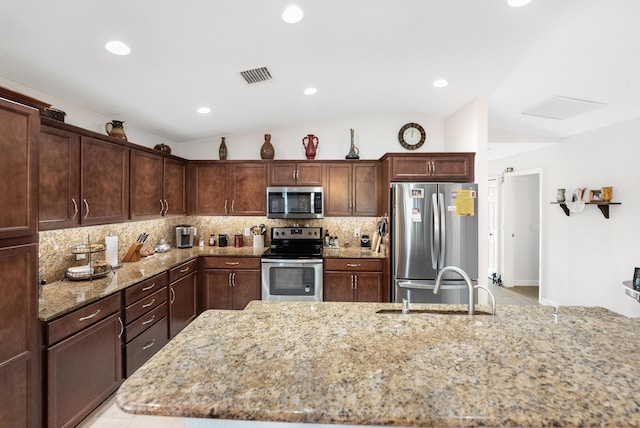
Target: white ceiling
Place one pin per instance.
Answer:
(362, 56)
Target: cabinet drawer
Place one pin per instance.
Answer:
(82, 318)
(143, 347)
(232, 263)
(145, 288)
(184, 269)
(145, 322)
(369, 265)
(143, 306)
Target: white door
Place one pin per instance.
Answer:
(492, 200)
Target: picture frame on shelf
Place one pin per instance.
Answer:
(595, 195)
(636, 279)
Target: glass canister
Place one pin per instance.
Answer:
(560, 195)
(238, 240)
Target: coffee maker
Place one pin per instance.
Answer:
(184, 236)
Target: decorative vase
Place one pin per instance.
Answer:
(310, 143)
(266, 151)
(222, 152)
(560, 196)
(115, 129)
(353, 152)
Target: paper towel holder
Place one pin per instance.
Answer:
(111, 240)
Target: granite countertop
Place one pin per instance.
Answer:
(64, 296)
(345, 363)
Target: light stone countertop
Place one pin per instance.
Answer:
(61, 297)
(344, 363)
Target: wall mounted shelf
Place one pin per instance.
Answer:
(629, 291)
(604, 207)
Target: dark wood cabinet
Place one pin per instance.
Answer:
(84, 361)
(351, 189)
(19, 129)
(105, 182)
(353, 280)
(59, 185)
(295, 173)
(225, 188)
(183, 307)
(175, 187)
(447, 167)
(231, 282)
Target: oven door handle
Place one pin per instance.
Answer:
(291, 261)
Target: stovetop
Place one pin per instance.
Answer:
(294, 242)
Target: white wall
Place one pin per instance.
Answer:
(375, 135)
(585, 257)
(87, 119)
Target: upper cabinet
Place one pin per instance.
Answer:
(104, 186)
(158, 186)
(449, 167)
(228, 188)
(19, 128)
(351, 189)
(295, 173)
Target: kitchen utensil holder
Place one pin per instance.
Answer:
(133, 253)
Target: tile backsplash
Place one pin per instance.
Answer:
(55, 245)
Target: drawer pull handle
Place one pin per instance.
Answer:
(232, 263)
(149, 345)
(149, 287)
(149, 304)
(88, 317)
(121, 328)
(185, 269)
(353, 265)
(149, 321)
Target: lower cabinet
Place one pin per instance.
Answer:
(182, 296)
(84, 361)
(353, 280)
(231, 282)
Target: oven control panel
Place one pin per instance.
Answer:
(296, 233)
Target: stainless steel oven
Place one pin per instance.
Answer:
(292, 267)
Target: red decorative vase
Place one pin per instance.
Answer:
(310, 143)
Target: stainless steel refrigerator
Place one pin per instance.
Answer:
(433, 225)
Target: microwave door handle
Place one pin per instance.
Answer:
(443, 228)
(435, 231)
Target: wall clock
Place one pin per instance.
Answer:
(412, 136)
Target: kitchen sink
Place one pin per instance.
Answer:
(433, 312)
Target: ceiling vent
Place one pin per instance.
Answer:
(256, 75)
(560, 108)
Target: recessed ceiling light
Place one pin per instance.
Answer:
(310, 91)
(292, 14)
(518, 3)
(116, 47)
(440, 83)
(203, 110)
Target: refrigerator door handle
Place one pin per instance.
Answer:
(435, 232)
(443, 228)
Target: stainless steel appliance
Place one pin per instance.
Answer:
(292, 266)
(295, 202)
(184, 236)
(433, 225)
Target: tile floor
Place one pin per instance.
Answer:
(108, 415)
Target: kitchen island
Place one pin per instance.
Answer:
(369, 364)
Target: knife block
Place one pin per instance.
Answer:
(133, 253)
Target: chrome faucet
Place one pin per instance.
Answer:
(463, 274)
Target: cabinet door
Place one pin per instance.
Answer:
(246, 287)
(282, 174)
(453, 166)
(105, 182)
(83, 370)
(218, 289)
(247, 189)
(338, 287)
(368, 287)
(337, 198)
(19, 369)
(183, 308)
(365, 189)
(309, 174)
(175, 191)
(19, 129)
(59, 184)
(146, 185)
(209, 184)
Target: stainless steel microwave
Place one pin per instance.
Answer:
(295, 202)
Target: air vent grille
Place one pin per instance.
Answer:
(256, 75)
(560, 108)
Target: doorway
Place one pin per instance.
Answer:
(519, 237)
